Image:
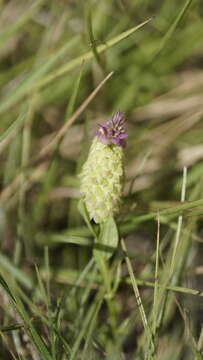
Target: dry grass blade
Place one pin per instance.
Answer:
(180, 220)
(156, 282)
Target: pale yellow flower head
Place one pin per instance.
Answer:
(102, 174)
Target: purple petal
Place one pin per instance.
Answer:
(104, 140)
(115, 141)
(117, 116)
(113, 131)
(123, 136)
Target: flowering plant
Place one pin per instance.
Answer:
(102, 174)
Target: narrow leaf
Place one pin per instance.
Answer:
(107, 241)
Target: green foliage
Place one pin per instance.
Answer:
(108, 238)
(130, 287)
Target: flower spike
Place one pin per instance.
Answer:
(101, 178)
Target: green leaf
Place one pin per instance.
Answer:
(51, 239)
(83, 211)
(107, 241)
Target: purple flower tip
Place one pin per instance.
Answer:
(113, 131)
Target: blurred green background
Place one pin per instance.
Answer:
(53, 55)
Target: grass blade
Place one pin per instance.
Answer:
(138, 298)
(88, 56)
(16, 302)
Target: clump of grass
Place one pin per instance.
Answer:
(64, 67)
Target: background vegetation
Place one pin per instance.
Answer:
(56, 84)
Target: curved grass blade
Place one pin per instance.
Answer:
(172, 28)
(88, 56)
(18, 305)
